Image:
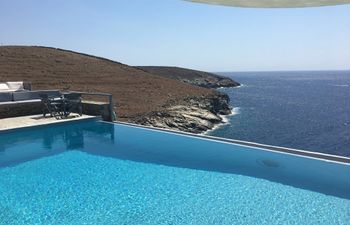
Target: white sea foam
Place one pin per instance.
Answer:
(341, 85)
(225, 120)
(242, 85)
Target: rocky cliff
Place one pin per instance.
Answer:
(195, 115)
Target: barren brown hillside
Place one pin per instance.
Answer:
(135, 92)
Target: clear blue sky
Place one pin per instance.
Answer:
(179, 33)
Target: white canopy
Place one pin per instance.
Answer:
(274, 3)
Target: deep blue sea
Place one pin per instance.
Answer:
(303, 110)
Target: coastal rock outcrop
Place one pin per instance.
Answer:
(195, 115)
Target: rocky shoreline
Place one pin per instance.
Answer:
(194, 115)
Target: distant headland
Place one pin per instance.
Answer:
(195, 77)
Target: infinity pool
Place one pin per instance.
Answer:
(99, 173)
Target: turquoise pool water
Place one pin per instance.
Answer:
(99, 173)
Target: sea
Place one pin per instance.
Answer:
(303, 110)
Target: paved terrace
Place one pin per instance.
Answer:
(35, 120)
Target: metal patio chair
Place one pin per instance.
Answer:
(73, 103)
(53, 105)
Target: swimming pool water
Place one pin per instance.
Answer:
(98, 173)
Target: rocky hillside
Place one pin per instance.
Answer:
(140, 97)
(195, 77)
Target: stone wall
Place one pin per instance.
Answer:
(97, 109)
(15, 109)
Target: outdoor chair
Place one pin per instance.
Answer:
(52, 105)
(61, 106)
(73, 103)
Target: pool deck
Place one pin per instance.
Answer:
(36, 120)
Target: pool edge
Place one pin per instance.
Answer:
(290, 151)
(58, 122)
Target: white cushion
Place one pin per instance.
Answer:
(4, 87)
(15, 85)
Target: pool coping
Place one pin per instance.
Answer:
(51, 123)
(265, 147)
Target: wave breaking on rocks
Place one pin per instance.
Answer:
(195, 115)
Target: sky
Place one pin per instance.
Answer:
(184, 34)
